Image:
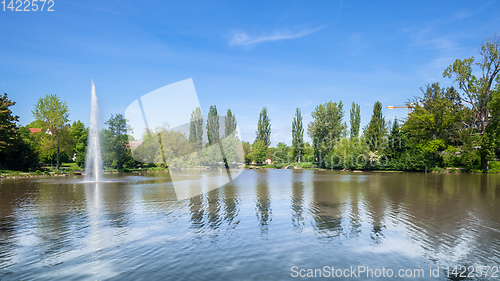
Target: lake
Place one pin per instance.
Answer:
(265, 225)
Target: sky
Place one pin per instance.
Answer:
(241, 55)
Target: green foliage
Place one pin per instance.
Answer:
(297, 136)
(53, 113)
(264, 128)
(196, 126)
(326, 128)
(436, 115)
(281, 153)
(259, 151)
(450, 158)
(16, 152)
(230, 124)
(213, 125)
(80, 135)
(115, 139)
(351, 153)
(479, 92)
(247, 150)
(355, 120)
(494, 167)
(376, 131)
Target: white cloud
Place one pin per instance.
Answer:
(243, 39)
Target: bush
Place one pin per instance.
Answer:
(494, 167)
(305, 165)
(278, 165)
(449, 157)
(46, 173)
(38, 172)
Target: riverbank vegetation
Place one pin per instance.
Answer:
(447, 127)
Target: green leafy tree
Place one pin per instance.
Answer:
(281, 153)
(264, 128)
(297, 135)
(259, 151)
(213, 125)
(116, 139)
(80, 136)
(230, 124)
(436, 115)
(326, 128)
(376, 130)
(478, 92)
(53, 113)
(247, 150)
(355, 120)
(196, 126)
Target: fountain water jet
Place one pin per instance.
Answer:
(93, 162)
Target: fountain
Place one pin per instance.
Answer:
(93, 162)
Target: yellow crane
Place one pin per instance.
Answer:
(410, 107)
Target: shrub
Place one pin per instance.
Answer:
(38, 172)
(305, 165)
(494, 167)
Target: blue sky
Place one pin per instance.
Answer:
(242, 55)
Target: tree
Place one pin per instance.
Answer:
(478, 92)
(15, 153)
(247, 150)
(8, 128)
(213, 125)
(80, 135)
(230, 124)
(297, 135)
(53, 113)
(196, 126)
(116, 139)
(326, 128)
(376, 131)
(436, 116)
(264, 128)
(280, 155)
(259, 151)
(355, 120)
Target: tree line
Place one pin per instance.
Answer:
(52, 139)
(447, 127)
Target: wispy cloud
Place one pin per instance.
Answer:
(243, 39)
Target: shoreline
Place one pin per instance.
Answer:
(449, 170)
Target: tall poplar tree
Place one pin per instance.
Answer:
(230, 124)
(376, 131)
(213, 125)
(264, 128)
(297, 135)
(196, 126)
(355, 120)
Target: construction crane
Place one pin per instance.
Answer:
(410, 107)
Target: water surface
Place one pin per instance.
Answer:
(256, 228)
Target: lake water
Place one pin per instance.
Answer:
(265, 225)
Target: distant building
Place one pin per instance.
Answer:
(35, 130)
(268, 161)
